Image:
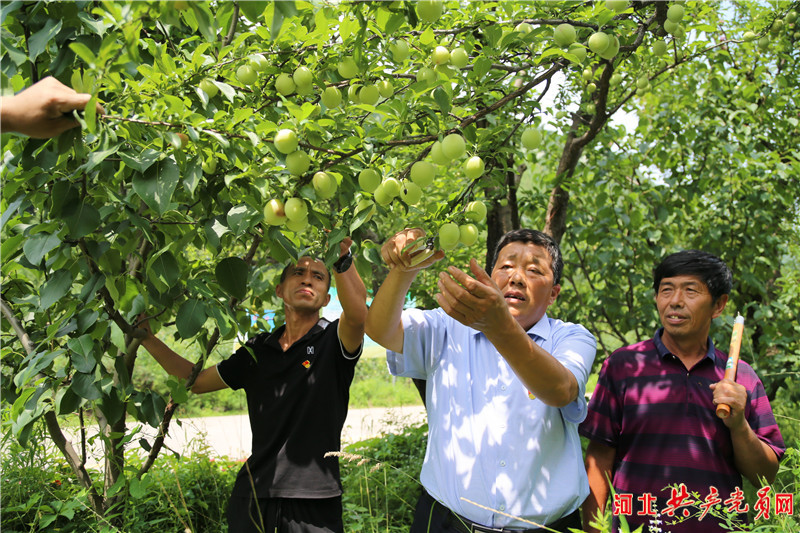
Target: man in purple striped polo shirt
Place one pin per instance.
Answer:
(652, 424)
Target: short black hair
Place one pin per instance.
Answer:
(711, 270)
(537, 238)
(285, 271)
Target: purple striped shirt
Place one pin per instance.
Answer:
(661, 420)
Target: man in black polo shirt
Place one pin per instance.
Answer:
(297, 381)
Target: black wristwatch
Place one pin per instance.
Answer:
(343, 263)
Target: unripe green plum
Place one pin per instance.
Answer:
(587, 74)
(531, 138)
(422, 173)
(437, 156)
(763, 43)
(617, 6)
(564, 35)
(578, 50)
(449, 235)
(474, 167)
(411, 193)
(382, 196)
(615, 80)
(324, 184)
(675, 12)
(791, 17)
(671, 27)
(369, 95)
(475, 211)
(295, 209)
(297, 226)
(258, 62)
(599, 42)
(392, 186)
(440, 56)
(468, 234)
(612, 49)
(348, 68)
(369, 179)
(459, 57)
(453, 146)
(303, 77)
(429, 10)
(749, 36)
(399, 50)
(274, 213)
(209, 87)
(352, 93)
(209, 166)
(426, 74)
(284, 84)
(591, 87)
(298, 162)
(643, 83)
(524, 28)
(246, 75)
(777, 27)
(659, 48)
(285, 141)
(385, 88)
(332, 97)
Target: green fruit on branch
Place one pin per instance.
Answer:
(459, 57)
(385, 88)
(599, 42)
(209, 87)
(453, 146)
(399, 50)
(331, 97)
(324, 184)
(449, 236)
(474, 167)
(440, 56)
(429, 10)
(612, 49)
(246, 75)
(659, 48)
(297, 226)
(675, 13)
(468, 234)
(369, 95)
(302, 77)
(564, 35)
(578, 50)
(285, 141)
(531, 138)
(284, 84)
(209, 166)
(392, 187)
(258, 62)
(422, 173)
(298, 162)
(617, 6)
(295, 209)
(368, 180)
(475, 211)
(411, 193)
(274, 212)
(348, 68)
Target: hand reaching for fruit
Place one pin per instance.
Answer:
(409, 251)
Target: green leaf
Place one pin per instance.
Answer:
(253, 10)
(157, 184)
(55, 289)
(178, 391)
(67, 401)
(38, 42)
(84, 385)
(39, 245)
(165, 268)
(191, 317)
(231, 274)
(83, 358)
(83, 221)
(10, 211)
(442, 100)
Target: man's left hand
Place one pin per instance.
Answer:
(474, 301)
(734, 395)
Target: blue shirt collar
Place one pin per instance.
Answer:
(541, 329)
(663, 351)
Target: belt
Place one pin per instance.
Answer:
(465, 525)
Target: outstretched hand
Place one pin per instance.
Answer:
(407, 251)
(42, 110)
(474, 301)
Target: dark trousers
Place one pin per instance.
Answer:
(431, 516)
(285, 515)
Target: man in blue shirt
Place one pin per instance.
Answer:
(505, 386)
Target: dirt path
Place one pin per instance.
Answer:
(231, 436)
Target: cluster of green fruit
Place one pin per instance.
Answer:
(787, 23)
(451, 234)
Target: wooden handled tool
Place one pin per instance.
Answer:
(724, 410)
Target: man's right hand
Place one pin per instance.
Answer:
(407, 251)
